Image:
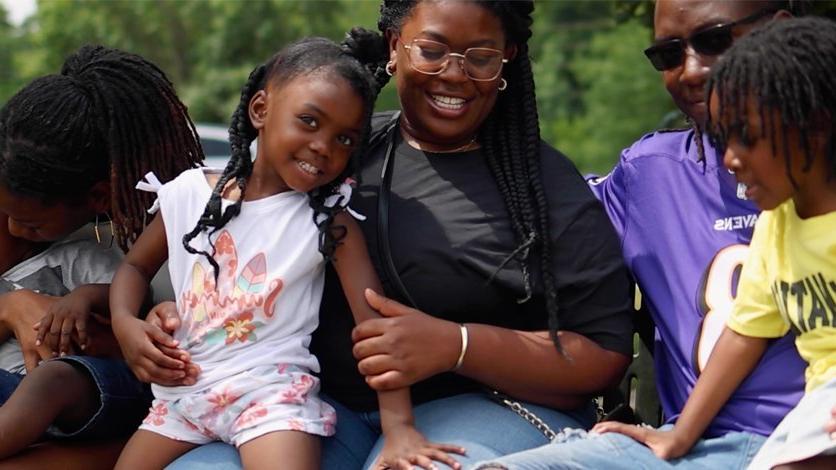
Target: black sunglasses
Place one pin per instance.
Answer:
(711, 41)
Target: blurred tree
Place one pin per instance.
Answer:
(207, 47)
(596, 92)
(7, 71)
(622, 94)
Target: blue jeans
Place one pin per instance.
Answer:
(8, 384)
(575, 449)
(487, 430)
(123, 400)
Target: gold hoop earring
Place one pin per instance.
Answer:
(390, 68)
(96, 231)
(503, 84)
(99, 235)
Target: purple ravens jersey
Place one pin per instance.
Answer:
(685, 231)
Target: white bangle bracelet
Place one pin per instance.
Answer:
(464, 348)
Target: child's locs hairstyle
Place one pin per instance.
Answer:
(787, 70)
(510, 138)
(108, 116)
(360, 62)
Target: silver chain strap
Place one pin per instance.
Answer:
(525, 414)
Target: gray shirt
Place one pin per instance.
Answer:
(67, 264)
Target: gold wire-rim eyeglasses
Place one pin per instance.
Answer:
(462, 59)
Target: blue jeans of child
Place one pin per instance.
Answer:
(576, 449)
(8, 383)
(487, 430)
(123, 400)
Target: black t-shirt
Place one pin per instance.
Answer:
(449, 231)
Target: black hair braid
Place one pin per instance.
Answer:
(148, 129)
(371, 50)
(356, 62)
(510, 139)
(541, 225)
(698, 133)
(108, 116)
(786, 69)
(239, 167)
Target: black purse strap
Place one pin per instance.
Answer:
(383, 246)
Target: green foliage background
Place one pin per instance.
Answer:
(596, 91)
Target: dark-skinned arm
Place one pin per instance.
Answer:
(403, 442)
(523, 364)
(139, 340)
(732, 360)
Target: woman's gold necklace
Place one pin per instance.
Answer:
(468, 146)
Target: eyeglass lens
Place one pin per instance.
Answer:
(710, 41)
(433, 58)
(671, 54)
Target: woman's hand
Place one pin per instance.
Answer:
(404, 448)
(151, 353)
(666, 445)
(830, 425)
(392, 351)
(19, 311)
(65, 319)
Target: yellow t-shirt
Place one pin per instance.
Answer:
(789, 281)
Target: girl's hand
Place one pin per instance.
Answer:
(19, 310)
(164, 316)
(666, 445)
(64, 319)
(139, 339)
(392, 351)
(404, 447)
(830, 425)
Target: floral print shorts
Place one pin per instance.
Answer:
(244, 407)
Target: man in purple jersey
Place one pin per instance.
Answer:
(685, 227)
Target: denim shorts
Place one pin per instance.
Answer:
(123, 399)
(8, 383)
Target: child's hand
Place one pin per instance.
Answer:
(164, 316)
(139, 341)
(405, 447)
(666, 445)
(66, 316)
(830, 425)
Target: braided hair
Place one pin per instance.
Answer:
(107, 116)
(360, 61)
(788, 67)
(510, 138)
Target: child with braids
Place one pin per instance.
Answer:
(72, 145)
(246, 250)
(772, 106)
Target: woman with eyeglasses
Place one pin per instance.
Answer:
(501, 269)
(685, 225)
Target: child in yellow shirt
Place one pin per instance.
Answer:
(772, 103)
